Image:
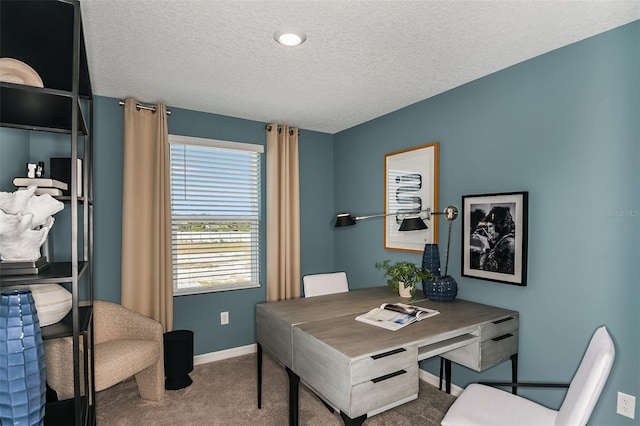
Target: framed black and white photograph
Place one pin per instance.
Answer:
(411, 187)
(494, 237)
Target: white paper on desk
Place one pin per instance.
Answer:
(394, 320)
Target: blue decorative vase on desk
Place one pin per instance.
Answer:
(431, 259)
(439, 288)
(22, 367)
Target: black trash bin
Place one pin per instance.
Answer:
(178, 359)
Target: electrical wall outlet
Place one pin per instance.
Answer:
(626, 405)
(224, 318)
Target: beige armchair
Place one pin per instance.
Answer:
(126, 344)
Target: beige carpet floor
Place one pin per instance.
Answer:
(224, 393)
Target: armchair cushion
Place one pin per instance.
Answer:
(117, 360)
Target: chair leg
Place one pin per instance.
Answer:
(151, 382)
(441, 372)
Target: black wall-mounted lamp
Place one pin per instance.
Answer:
(409, 223)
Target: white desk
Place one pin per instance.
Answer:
(362, 370)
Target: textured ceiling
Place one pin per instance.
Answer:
(362, 59)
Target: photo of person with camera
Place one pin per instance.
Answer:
(492, 242)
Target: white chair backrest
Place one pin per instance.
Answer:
(319, 284)
(588, 381)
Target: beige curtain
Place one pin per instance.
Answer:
(146, 282)
(283, 214)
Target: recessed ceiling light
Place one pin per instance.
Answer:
(290, 38)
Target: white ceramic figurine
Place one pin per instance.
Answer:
(25, 222)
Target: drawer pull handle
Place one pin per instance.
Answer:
(393, 352)
(497, 339)
(388, 376)
(502, 320)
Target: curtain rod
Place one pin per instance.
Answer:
(268, 127)
(140, 106)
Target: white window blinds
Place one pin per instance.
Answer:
(215, 214)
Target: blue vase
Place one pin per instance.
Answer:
(441, 289)
(431, 259)
(22, 367)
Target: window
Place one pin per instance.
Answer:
(215, 214)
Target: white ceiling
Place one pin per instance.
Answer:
(362, 59)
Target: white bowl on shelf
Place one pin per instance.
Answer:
(17, 72)
(53, 301)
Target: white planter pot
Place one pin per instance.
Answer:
(402, 291)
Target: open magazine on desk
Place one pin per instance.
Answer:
(394, 316)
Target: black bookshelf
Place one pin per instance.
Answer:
(48, 36)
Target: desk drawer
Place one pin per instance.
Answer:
(497, 328)
(383, 391)
(499, 349)
(498, 341)
(382, 363)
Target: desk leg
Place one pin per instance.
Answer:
(259, 365)
(348, 421)
(447, 374)
(514, 373)
(294, 385)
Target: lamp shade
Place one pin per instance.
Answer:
(412, 224)
(22, 366)
(344, 219)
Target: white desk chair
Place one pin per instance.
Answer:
(319, 284)
(484, 405)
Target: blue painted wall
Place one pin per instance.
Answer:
(14, 156)
(565, 127)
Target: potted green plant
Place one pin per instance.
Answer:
(406, 273)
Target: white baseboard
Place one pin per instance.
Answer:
(248, 349)
(227, 353)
